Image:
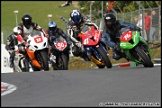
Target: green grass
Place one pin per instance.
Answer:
(39, 11)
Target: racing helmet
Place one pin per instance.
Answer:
(52, 25)
(15, 31)
(110, 19)
(76, 17)
(27, 20)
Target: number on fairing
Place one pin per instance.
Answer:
(96, 34)
(127, 36)
(60, 44)
(85, 41)
(38, 39)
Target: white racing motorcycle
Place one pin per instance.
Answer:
(37, 51)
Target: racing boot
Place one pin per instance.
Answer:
(11, 62)
(116, 55)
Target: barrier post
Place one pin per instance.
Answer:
(2, 41)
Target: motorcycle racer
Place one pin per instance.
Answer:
(25, 28)
(54, 32)
(75, 26)
(10, 47)
(112, 27)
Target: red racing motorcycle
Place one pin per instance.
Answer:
(95, 48)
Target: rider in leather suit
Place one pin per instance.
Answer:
(25, 28)
(55, 32)
(10, 47)
(112, 27)
(76, 24)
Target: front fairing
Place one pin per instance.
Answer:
(59, 45)
(90, 36)
(37, 41)
(134, 40)
(131, 43)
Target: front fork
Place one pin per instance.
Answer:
(94, 49)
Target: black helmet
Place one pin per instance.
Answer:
(27, 20)
(110, 19)
(52, 25)
(76, 16)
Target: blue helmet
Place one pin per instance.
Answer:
(76, 17)
(52, 25)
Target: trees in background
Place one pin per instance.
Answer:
(118, 6)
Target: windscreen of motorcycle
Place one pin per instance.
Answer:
(60, 43)
(85, 28)
(122, 31)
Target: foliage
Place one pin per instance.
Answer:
(119, 6)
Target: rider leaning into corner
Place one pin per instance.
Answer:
(76, 23)
(110, 33)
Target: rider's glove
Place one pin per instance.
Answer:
(51, 38)
(46, 35)
(69, 43)
(78, 44)
(10, 51)
(138, 28)
(24, 43)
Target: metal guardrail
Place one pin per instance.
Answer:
(157, 60)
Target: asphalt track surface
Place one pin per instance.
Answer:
(85, 88)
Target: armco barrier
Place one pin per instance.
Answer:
(5, 60)
(157, 60)
(126, 64)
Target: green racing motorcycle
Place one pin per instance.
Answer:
(134, 46)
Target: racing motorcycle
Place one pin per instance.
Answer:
(95, 48)
(134, 47)
(37, 50)
(59, 54)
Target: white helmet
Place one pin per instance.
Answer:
(16, 30)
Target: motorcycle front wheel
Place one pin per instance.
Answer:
(100, 66)
(43, 59)
(62, 62)
(144, 57)
(105, 58)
